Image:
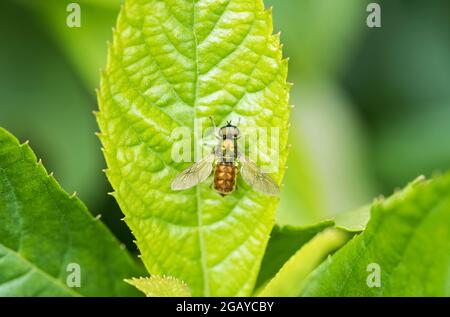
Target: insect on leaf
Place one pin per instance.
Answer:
(171, 64)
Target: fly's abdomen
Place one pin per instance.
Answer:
(225, 178)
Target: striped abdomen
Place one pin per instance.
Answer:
(225, 178)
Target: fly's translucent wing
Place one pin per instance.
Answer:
(260, 181)
(195, 174)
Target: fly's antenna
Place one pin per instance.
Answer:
(216, 131)
(212, 122)
(228, 122)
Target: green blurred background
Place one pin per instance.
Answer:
(372, 105)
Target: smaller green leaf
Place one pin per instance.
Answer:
(403, 252)
(354, 220)
(46, 235)
(290, 280)
(284, 242)
(160, 286)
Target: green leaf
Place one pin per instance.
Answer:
(290, 279)
(171, 63)
(353, 220)
(283, 243)
(43, 230)
(160, 286)
(406, 241)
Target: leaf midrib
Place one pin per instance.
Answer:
(49, 277)
(19, 256)
(204, 264)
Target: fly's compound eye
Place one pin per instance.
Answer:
(223, 133)
(236, 133)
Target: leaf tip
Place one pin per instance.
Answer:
(419, 179)
(27, 142)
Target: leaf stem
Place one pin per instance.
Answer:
(291, 278)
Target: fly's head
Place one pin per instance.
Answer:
(229, 132)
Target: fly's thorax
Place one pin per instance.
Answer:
(228, 150)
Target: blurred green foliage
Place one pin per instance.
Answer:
(46, 99)
(372, 105)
